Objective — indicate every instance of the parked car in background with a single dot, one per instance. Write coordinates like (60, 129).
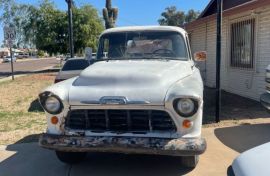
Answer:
(67, 58)
(71, 68)
(8, 59)
(22, 55)
(145, 96)
(26, 55)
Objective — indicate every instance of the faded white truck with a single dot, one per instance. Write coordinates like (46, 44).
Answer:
(144, 96)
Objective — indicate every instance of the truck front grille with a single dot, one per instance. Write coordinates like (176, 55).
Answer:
(120, 120)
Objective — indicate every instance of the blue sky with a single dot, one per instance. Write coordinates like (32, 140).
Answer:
(132, 12)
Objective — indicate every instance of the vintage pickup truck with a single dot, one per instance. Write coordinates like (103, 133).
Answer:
(145, 96)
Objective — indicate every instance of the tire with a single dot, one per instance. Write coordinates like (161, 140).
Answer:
(71, 157)
(190, 161)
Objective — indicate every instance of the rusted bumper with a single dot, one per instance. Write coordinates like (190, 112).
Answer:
(128, 145)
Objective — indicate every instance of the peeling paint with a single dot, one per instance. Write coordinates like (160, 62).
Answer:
(160, 146)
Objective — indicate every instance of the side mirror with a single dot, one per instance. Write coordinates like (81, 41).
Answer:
(200, 56)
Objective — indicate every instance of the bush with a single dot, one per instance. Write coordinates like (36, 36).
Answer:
(41, 53)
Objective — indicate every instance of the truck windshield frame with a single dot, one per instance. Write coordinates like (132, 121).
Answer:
(143, 45)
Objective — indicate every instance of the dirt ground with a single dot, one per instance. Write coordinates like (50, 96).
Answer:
(235, 110)
(20, 113)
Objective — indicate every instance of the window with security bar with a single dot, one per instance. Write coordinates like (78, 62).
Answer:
(242, 44)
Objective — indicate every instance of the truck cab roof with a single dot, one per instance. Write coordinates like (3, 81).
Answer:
(145, 28)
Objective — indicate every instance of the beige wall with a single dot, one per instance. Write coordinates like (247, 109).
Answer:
(247, 83)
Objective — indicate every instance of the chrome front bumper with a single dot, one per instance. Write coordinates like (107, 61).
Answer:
(128, 145)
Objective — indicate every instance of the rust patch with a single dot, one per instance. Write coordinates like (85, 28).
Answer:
(161, 146)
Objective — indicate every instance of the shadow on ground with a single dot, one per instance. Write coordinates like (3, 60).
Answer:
(245, 137)
(29, 139)
(35, 106)
(233, 107)
(30, 159)
(132, 165)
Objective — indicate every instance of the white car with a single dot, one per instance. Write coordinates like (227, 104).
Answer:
(8, 59)
(71, 68)
(252, 162)
(145, 97)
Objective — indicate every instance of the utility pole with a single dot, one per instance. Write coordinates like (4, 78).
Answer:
(218, 58)
(70, 27)
(12, 67)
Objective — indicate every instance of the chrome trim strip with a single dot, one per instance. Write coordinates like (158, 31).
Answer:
(150, 107)
(90, 102)
(115, 100)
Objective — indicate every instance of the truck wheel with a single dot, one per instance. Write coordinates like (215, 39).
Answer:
(190, 161)
(70, 157)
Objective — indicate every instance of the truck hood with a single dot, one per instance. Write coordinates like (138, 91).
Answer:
(141, 81)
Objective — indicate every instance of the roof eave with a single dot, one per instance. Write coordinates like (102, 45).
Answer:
(205, 10)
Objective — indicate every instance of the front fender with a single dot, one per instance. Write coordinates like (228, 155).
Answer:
(189, 87)
(61, 90)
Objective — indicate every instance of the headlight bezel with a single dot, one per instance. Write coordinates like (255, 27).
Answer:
(184, 115)
(44, 97)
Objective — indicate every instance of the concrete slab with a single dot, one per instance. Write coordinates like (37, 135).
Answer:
(224, 144)
(29, 159)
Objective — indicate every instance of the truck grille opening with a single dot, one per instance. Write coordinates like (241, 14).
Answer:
(120, 120)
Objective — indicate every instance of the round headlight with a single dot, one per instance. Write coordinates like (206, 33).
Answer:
(186, 107)
(52, 105)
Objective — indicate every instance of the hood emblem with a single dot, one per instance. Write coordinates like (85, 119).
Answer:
(113, 100)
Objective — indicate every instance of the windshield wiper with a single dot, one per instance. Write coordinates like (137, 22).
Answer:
(163, 58)
(108, 59)
(137, 58)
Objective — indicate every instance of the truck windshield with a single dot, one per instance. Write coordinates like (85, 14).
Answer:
(142, 45)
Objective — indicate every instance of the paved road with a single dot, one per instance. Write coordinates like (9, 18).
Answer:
(224, 144)
(26, 66)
